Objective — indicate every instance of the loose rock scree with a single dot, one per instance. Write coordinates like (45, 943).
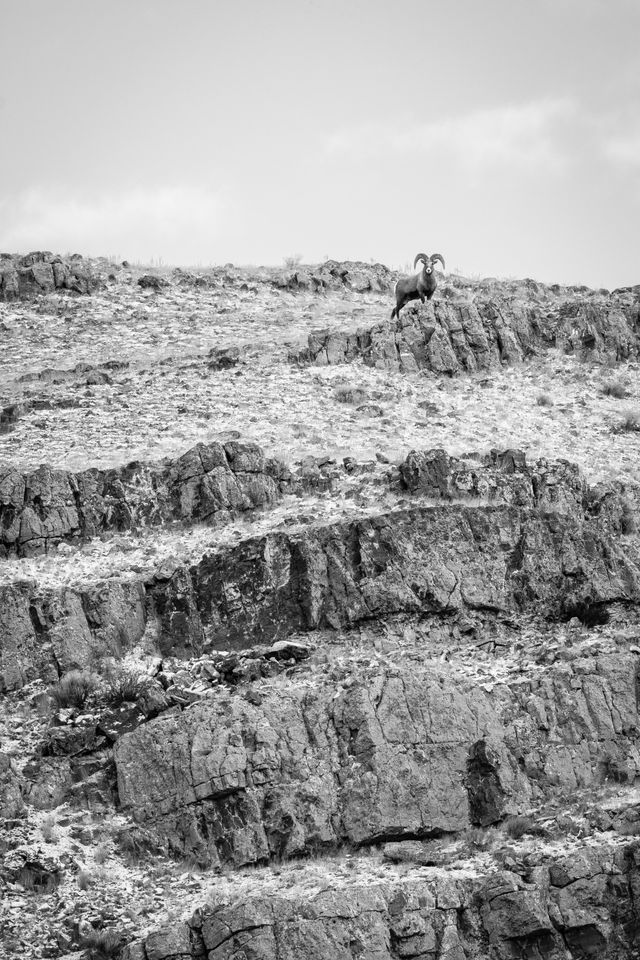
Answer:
(422, 285)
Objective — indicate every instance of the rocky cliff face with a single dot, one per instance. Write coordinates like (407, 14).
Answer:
(578, 905)
(485, 332)
(503, 537)
(387, 757)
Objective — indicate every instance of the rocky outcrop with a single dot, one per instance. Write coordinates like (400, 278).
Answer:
(351, 275)
(481, 333)
(571, 907)
(288, 771)
(546, 542)
(498, 477)
(27, 276)
(210, 482)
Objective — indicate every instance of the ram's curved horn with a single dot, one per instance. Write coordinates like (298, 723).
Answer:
(437, 256)
(420, 256)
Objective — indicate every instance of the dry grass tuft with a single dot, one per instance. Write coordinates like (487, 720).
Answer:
(47, 828)
(124, 684)
(347, 394)
(615, 388)
(101, 853)
(84, 879)
(630, 422)
(103, 943)
(74, 688)
(517, 827)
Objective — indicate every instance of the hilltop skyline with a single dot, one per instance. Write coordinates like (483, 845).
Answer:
(504, 136)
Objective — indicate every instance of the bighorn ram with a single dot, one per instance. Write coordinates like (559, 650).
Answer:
(421, 285)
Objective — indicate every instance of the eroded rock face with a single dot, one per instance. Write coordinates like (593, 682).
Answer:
(393, 757)
(547, 543)
(22, 277)
(43, 508)
(497, 477)
(439, 917)
(425, 560)
(483, 334)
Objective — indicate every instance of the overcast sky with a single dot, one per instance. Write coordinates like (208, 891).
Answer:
(503, 134)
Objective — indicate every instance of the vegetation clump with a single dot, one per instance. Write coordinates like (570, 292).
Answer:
(517, 827)
(74, 689)
(103, 943)
(615, 388)
(124, 684)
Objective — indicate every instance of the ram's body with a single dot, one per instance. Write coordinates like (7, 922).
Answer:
(421, 286)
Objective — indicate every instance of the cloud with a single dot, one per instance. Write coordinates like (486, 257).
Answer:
(524, 135)
(141, 222)
(623, 149)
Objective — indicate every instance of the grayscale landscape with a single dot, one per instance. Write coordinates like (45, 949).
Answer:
(317, 641)
(319, 480)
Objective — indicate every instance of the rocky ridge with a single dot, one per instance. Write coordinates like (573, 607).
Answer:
(465, 334)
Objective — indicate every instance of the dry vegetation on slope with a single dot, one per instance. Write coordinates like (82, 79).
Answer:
(342, 700)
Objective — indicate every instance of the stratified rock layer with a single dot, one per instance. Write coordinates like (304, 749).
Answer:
(484, 333)
(545, 542)
(569, 907)
(392, 756)
(41, 509)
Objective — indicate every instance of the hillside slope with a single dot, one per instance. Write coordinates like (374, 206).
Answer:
(319, 632)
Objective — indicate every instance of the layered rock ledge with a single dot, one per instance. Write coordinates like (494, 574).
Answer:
(484, 333)
(557, 907)
(503, 537)
(292, 770)
(46, 507)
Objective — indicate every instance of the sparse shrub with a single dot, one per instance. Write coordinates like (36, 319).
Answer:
(101, 853)
(103, 943)
(124, 684)
(84, 879)
(630, 422)
(74, 688)
(517, 827)
(615, 388)
(136, 844)
(480, 838)
(544, 400)
(348, 394)
(292, 262)
(47, 828)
